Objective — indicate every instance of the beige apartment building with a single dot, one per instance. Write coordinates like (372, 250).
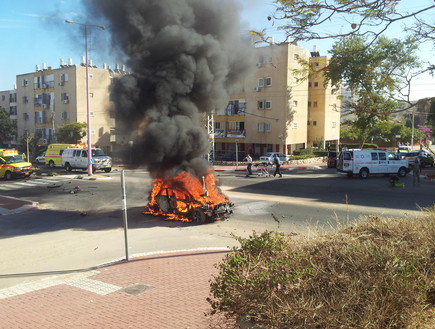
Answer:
(278, 111)
(324, 106)
(53, 97)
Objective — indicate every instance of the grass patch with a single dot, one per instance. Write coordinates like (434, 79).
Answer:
(378, 273)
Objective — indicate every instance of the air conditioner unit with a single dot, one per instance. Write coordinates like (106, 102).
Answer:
(61, 83)
(66, 101)
(45, 86)
(257, 89)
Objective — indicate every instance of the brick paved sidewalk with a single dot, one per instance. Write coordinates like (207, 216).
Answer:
(163, 291)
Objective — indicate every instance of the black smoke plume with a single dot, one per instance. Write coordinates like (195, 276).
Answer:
(184, 55)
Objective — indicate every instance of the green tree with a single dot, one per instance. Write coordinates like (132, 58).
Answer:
(71, 133)
(7, 127)
(373, 73)
(309, 19)
(34, 147)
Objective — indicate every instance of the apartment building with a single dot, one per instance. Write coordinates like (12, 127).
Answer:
(324, 107)
(277, 110)
(53, 97)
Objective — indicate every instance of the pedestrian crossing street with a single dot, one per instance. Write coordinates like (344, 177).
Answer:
(33, 182)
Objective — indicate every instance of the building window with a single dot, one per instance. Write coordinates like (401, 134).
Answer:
(308, 122)
(25, 116)
(261, 83)
(268, 82)
(3, 97)
(263, 127)
(295, 57)
(264, 105)
(294, 125)
(25, 99)
(334, 125)
(309, 103)
(309, 84)
(65, 98)
(217, 125)
(295, 103)
(316, 84)
(25, 82)
(314, 123)
(315, 104)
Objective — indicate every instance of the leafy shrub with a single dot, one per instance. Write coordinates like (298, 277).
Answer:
(375, 274)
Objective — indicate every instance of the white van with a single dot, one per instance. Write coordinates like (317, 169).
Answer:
(368, 162)
(77, 158)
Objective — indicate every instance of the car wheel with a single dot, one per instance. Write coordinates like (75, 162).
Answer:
(402, 172)
(364, 173)
(108, 170)
(8, 175)
(51, 164)
(197, 216)
(68, 167)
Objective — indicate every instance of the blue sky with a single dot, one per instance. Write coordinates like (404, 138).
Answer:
(34, 32)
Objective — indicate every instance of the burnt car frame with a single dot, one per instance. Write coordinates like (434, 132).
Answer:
(195, 211)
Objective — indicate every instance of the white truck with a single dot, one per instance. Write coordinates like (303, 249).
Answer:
(77, 158)
(369, 162)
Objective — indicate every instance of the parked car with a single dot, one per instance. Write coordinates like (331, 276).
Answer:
(268, 157)
(332, 159)
(40, 159)
(426, 159)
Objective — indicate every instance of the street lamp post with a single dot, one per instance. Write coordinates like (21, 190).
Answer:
(88, 103)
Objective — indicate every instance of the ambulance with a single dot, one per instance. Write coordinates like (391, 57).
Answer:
(53, 154)
(13, 164)
(370, 162)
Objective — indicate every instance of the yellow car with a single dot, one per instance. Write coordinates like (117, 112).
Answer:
(13, 164)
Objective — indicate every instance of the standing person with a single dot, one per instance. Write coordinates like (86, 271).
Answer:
(277, 163)
(249, 167)
(416, 170)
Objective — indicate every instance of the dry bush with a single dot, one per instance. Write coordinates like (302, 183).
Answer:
(378, 273)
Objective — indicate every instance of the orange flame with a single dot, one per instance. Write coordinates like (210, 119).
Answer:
(182, 193)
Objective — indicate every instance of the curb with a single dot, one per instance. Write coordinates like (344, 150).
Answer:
(25, 205)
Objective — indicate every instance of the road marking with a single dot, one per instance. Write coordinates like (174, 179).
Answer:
(97, 287)
(79, 280)
(30, 183)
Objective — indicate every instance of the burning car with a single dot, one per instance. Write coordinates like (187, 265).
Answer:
(184, 197)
